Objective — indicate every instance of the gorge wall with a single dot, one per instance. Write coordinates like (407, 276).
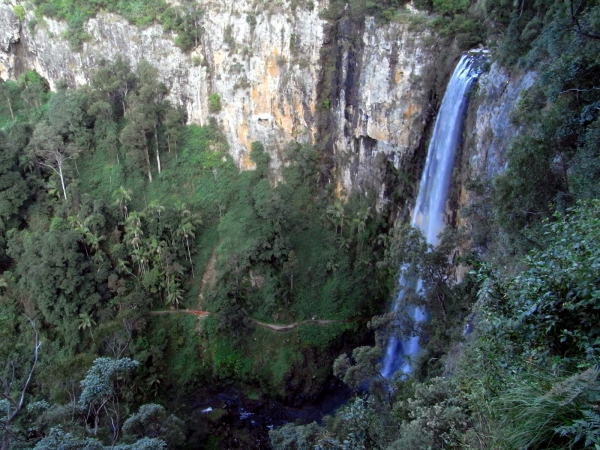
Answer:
(488, 133)
(269, 73)
(364, 92)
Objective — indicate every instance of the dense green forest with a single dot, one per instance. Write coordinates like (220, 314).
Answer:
(112, 208)
(117, 219)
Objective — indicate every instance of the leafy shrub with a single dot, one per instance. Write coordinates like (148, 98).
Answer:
(450, 7)
(251, 19)
(151, 421)
(214, 103)
(295, 437)
(551, 307)
(182, 19)
(19, 12)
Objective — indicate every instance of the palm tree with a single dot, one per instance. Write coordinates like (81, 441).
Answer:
(76, 223)
(360, 225)
(140, 256)
(332, 266)
(335, 213)
(153, 212)
(173, 273)
(133, 230)
(384, 240)
(93, 240)
(121, 267)
(174, 295)
(155, 207)
(186, 229)
(98, 258)
(85, 321)
(122, 196)
(344, 243)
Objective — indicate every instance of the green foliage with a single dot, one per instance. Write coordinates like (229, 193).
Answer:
(527, 378)
(151, 421)
(322, 336)
(13, 186)
(228, 363)
(214, 103)
(453, 20)
(251, 19)
(554, 412)
(362, 367)
(294, 437)
(466, 31)
(424, 5)
(99, 384)
(97, 262)
(261, 158)
(450, 7)
(58, 275)
(76, 34)
(537, 336)
(553, 302)
(383, 10)
(19, 12)
(57, 438)
(557, 115)
(434, 415)
(587, 429)
(356, 426)
(183, 19)
(22, 101)
(57, 426)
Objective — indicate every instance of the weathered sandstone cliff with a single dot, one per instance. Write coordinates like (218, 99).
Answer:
(268, 63)
(364, 92)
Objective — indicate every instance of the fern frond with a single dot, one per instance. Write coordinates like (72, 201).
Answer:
(568, 390)
(550, 413)
(588, 428)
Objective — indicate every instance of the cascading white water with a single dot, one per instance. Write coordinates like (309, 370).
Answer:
(428, 215)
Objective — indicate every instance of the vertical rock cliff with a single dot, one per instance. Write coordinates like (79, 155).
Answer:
(269, 64)
(499, 93)
(262, 61)
(362, 91)
(380, 99)
(488, 133)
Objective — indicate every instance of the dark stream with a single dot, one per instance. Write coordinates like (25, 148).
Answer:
(228, 418)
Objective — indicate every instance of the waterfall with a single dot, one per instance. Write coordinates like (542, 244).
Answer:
(428, 215)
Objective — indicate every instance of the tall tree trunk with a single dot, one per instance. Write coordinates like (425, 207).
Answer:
(62, 180)
(16, 405)
(125, 91)
(190, 256)
(157, 152)
(148, 167)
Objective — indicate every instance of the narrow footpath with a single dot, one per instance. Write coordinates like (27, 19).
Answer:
(271, 326)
